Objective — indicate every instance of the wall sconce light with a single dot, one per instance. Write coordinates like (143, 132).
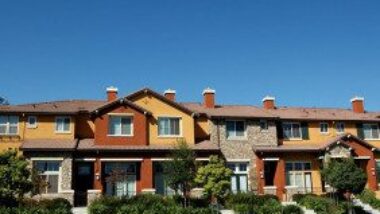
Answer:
(97, 176)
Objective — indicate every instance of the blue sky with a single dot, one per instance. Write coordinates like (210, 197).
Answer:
(305, 53)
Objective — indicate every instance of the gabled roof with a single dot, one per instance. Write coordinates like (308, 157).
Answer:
(242, 111)
(342, 139)
(143, 91)
(119, 102)
(53, 107)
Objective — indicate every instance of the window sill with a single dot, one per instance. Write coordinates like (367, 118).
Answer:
(119, 135)
(324, 133)
(237, 139)
(63, 133)
(9, 135)
(293, 139)
(170, 136)
(372, 139)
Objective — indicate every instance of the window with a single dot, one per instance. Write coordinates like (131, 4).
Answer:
(371, 131)
(263, 125)
(125, 184)
(235, 129)
(324, 128)
(32, 122)
(49, 173)
(378, 170)
(239, 178)
(298, 174)
(8, 125)
(292, 130)
(340, 127)
(120, 126)
(169, 126)
(62, 124)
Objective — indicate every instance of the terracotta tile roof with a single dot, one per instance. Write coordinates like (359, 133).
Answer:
(54, 107)
(301, 113)
(246, 111)
(88, 144)
(49, 144)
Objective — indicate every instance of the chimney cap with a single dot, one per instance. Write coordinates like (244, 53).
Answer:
(208, 90)
(111, 89)
(169, 91)
(357, 98)
(267, 98)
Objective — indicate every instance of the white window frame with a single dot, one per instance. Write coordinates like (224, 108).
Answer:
(237, 137)
(236, 171)
(30, 126)
(378, 131)
(291, 124)
(7, 126)
(302, 171)
(169, 117)
(320, 128)
(47, 173)
(337, 129)
(56, 125)
(120, 116)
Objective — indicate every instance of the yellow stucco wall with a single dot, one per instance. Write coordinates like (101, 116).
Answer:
(202, 128)
(315, 137)
(159, 108)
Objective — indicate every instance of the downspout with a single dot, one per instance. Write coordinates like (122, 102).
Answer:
(218, 131)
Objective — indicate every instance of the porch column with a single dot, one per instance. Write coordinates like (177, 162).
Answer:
(260, 175)
(146, 175)
(279, 178)
(371, 173)
(98, 175)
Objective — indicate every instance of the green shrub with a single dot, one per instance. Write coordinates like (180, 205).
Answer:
(270, 205)
(292, 209)
(106, 205)
(369, 197)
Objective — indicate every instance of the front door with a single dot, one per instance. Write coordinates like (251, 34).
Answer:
(84, 181)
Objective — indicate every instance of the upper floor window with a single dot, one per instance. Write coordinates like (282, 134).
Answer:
(62, 124)
(263, 124)
(324, 128)
(169, 126)
(8, 125)
(371, 131)
(340, 127)
(235, 129)
(32, 122)
(120, 126)
(292, 130)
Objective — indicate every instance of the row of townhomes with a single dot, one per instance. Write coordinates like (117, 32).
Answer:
(76, 144)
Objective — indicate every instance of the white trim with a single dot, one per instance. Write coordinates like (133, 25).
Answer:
(208, 90)
(66, 191)
(356, 98)
(245, 137)
(362, 158)
(47, 159)
(169, 91)
(267, 98)
(202, 159)
(161, 159)
(111, 89)
(270, 187)
(121, 159)
(64, 131)
(238, 160)
(85, 159)
(271, 159)
(94, 191)
(29, 126)
(169, 117)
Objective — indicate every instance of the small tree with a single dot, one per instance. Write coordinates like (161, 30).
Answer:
(15, 175)
(180, 171)
(345, 176)
(215, 178)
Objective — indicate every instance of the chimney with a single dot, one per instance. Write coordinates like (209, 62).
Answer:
(357, 104)
(170, 94)
(268, 102)
(209, 98)
(111, 93)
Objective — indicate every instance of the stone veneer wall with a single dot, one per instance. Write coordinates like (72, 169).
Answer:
(66, 174)
(243, 149)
